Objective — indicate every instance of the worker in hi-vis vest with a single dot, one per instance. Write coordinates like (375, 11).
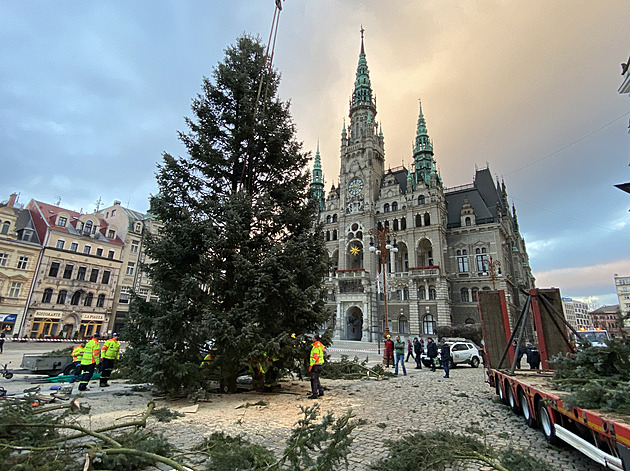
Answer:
(91, 357)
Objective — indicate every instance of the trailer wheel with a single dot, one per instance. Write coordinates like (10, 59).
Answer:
(8, 375)
(546, 424)
(512, 401)
(69, 369)
(527, 413)
(500, 392)
(474, 362)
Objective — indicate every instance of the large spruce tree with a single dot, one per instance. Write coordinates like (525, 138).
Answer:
(238, 263)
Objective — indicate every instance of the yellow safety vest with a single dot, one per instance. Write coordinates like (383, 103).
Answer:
(317, 353)
(111, 350)
(77, 353)
(91, 353)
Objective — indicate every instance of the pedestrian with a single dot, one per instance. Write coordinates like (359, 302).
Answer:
(2, 337)
(417, 348)
(409, 350)
(432, 352)
(533, 356)
(77, 355)
(399, 347)
(110, 353)
(91, 357)
(315, 367)
(445, 358)
(389, 351)
(518, 352)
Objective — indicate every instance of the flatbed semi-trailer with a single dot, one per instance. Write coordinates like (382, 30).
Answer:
(603, 437)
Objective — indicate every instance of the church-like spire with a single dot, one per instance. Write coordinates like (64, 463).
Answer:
(423, 150)
(317, 185)
(362, 87)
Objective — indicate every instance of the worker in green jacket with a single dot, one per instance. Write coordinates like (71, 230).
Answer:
(316, 366)
(109, 354)
(91, 357)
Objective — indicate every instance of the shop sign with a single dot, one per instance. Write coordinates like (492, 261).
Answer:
(48, 314)
(92, 317)
(8, 317)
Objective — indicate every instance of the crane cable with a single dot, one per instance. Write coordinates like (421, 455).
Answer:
(266, 71)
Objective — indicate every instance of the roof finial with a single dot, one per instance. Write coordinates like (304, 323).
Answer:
(362, 49)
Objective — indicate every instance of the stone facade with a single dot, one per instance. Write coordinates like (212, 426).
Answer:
(450, 243)
(19, 255)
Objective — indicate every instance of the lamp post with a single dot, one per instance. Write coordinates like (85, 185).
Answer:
(382, 249)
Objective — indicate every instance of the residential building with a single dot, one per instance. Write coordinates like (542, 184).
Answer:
(131, 226)
(19, 254)
(576, 313)
(608, 318)
(77, 274)
(622, 283)
(451, 243)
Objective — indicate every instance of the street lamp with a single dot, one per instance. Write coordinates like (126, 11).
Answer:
(382, 249)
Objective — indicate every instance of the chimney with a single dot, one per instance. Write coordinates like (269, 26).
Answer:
(12, 200)
(117, 203)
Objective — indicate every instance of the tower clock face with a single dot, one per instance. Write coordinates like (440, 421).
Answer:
(355, 186)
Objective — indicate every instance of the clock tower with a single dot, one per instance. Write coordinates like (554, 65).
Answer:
(362, 146)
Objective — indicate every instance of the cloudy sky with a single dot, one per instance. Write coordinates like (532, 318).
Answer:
(92, 93)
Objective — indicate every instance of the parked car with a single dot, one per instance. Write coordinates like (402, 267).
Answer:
(462, 352)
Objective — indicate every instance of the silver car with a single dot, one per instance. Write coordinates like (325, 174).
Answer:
(462, 352)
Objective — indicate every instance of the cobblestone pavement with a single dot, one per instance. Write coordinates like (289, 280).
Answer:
(422, 400)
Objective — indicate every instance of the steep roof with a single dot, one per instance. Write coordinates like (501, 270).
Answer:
(483, 196)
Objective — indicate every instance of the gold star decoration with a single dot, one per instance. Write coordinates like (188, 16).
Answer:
(355, 250)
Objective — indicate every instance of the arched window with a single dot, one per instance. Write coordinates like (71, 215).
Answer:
(46, 298)
(334, 218)
(5, 227)
(396, 224)
(76, 297)
(334, 234)
(418, 220)
(61, 297)
(405, 293)
(422, 293)
(100, 301)
(467, 221)
(88, 227)
(427, 219)
(464, 295)
(403, 224)
(394, 206)
(420, 200)
(432, 293)
(88, 299)
(386, 208)
(403, 325)
(328, 219)
(428, 325)
(327, 236)
(473, 294)
(470, 320)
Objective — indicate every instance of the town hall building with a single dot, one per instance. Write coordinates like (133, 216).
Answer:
(437, 247)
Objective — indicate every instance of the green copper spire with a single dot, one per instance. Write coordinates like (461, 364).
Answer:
(362, 86)
(423, 151)
(317, 185)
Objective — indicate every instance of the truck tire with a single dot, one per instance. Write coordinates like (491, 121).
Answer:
(8, 375)
(512, 401)
(474, 362)
(69, 369)
(527, 413)
(546, 424)
(500, 392)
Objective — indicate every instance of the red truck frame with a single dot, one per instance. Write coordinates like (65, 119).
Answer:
(605, 438)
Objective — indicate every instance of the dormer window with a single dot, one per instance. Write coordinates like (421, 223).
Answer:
(61, 221)
(88, 227)
(5, 227)
(138, 227)
(111, 234)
